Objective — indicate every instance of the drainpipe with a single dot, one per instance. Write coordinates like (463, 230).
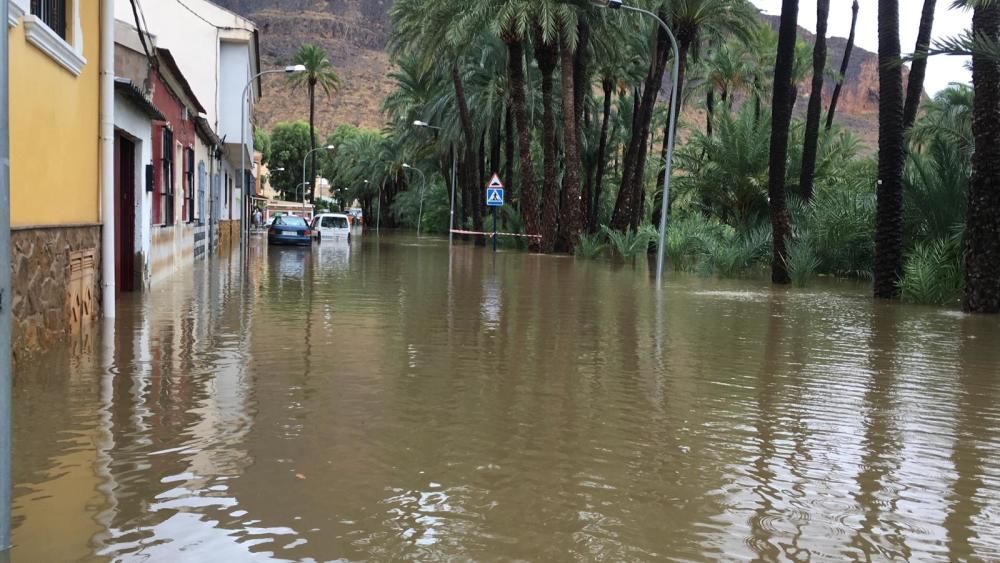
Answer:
(5, 294)
(107, 152)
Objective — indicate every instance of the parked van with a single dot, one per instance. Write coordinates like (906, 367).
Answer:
(330, 226)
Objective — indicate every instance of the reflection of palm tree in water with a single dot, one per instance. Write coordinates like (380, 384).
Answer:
(767, 421)
(978, 359)
(881, 442)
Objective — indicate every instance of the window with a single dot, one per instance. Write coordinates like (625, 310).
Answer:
(52, 13)
(189, 214)
(167, 179)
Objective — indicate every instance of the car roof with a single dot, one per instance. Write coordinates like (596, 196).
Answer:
(331, 215)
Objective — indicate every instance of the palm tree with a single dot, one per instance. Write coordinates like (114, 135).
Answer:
(781, 120)
(843, 67)
(571, 223)
(690, 19)
(547, 56)
(319, 72)
(815, 102)
(891, 155)
(915, 86)
(982, 230)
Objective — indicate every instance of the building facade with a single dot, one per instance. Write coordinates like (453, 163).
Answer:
(217, 52)
(55, 186)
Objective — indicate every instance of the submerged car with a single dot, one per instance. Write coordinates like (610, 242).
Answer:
(290, 230)
(329, 226)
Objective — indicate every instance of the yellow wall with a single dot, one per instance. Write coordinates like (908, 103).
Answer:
(54, 129)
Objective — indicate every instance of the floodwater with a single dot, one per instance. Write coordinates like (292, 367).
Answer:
(381, 402)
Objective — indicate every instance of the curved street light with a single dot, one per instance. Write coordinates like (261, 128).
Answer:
(423, 184)
(672, 125)
(454, 176)
(243, 132)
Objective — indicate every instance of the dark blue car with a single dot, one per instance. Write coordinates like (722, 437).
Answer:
(291, 230)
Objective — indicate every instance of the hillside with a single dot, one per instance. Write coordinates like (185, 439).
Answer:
(355, 33)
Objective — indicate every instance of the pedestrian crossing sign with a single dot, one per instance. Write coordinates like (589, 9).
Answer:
(494, 197)
(494, 192)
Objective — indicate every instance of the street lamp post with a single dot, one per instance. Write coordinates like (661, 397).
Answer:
(423, 184)
(454, 175)
(304, 183)
(243, 132)
(672, 125)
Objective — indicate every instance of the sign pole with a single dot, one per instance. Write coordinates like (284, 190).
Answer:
(494, 199)
(494, 230)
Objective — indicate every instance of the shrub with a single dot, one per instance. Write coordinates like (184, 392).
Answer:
(801, 260)
(630, 243)
(932, 274)
(590, 245)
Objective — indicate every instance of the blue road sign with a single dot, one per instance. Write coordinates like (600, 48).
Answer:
(494, 197)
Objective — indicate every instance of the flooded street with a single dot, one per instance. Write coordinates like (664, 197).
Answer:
(380, 401)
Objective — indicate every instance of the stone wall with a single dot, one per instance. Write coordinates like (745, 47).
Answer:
(55, 274)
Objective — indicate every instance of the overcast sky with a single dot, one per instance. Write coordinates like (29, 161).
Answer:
(941, 70)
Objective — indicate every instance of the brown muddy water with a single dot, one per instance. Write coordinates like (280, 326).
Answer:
(381, 402)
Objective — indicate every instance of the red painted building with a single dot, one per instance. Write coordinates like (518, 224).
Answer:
(173, 143)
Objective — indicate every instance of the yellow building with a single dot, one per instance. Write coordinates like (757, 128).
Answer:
(55, 168)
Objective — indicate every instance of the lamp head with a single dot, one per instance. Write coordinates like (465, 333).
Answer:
(295, 68)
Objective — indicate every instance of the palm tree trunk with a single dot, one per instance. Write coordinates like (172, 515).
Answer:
(891, 155)
(635, 152)
(312, 141)
(915, 85)
(608, 85)
(515, 71)
(843, 67)
(808, 173)
(571, 220)
(982, 230)
(781, 120)
(472, 169)
(709, 110)
(547, 56)
(508, 149)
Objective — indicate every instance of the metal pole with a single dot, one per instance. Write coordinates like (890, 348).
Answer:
(672, 121)
(454, 188)
(494, 230)
(378, 218)
(423, 184)
(6, 417)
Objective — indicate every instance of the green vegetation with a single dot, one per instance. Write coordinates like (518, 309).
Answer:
(562, 100)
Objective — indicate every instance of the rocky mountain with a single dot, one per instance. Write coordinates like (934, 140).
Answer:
(355, 33)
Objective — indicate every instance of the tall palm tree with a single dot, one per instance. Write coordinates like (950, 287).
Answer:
(843, 67)
(915, 85)
(319, 73)
(982, 230)
(815, 102)
(571, 220)
(891, 155)
(781, 120)
(546, 47)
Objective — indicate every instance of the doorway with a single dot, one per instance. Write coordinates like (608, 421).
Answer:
(124, 214)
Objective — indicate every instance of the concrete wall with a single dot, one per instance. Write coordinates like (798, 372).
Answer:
(234, 72)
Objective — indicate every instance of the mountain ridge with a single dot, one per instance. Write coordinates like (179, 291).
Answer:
(355, 33)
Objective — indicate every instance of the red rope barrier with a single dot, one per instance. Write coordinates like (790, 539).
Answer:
(477, 233)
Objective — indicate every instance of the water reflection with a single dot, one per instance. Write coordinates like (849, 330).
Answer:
(388, 399)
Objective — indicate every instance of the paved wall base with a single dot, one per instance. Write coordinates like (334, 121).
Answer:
(56, 286)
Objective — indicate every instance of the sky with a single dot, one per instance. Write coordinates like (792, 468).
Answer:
(941, 70)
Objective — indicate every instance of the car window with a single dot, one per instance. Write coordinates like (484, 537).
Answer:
(290, 221)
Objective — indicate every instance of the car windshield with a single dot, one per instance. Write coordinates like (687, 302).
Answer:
(335, 222)
(290, 221)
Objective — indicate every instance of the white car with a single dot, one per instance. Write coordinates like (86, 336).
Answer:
(331, 226)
